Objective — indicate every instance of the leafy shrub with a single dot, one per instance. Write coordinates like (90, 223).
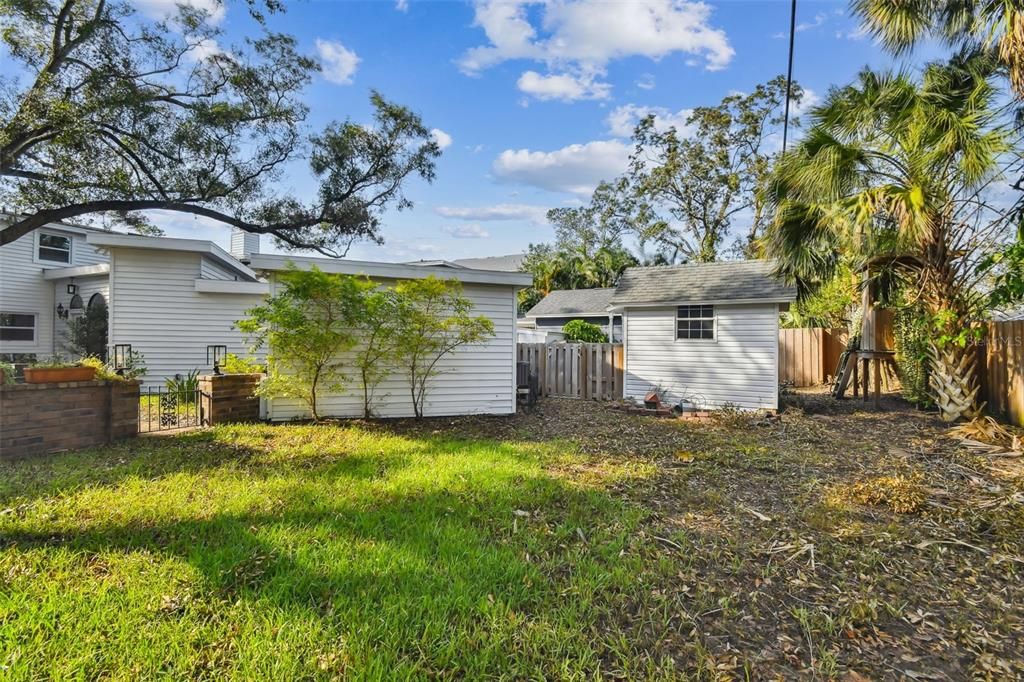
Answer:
(87, 335)
(104, 372)
(55, 362)
(184, 387)
(7, 373)
(911, 332)
(232, 364)
(584, 332)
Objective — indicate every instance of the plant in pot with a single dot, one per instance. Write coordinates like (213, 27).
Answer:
(56, 370)
(7, 373)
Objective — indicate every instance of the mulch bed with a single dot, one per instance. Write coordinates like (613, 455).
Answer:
(835, 541)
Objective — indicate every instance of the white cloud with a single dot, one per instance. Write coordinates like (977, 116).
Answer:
(562, 86)
(819, 19)
(582, 36)
(168, 9)
(622, 120)
(471, 231)
(807, 102)
(339, 62)
(402, 5)
(443, 139)
(646, 82)
(577, 168)
(529, 212)
(204, 49)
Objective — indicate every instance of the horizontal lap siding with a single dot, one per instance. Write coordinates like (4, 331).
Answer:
(740, 366)
(23, 289)
(156, 309)
(211, 270)
(477, 379)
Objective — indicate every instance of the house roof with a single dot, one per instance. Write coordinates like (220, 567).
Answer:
(721, 282)
(569, 302)
(512, 262)
(392, 270)
(207, 248)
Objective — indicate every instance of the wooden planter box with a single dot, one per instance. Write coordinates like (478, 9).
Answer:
(56, 375)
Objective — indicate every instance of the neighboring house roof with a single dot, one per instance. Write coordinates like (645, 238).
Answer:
(202, 246)
(1008, 315)
(510, 263)
(725, 281)
(572, 302)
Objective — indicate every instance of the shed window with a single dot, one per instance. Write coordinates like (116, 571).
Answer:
(695, 322)
(17, 327)
(54, 247)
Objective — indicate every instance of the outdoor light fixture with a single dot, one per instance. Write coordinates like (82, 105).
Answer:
(122, 357)
(72, 289)
(62, 312)
(215, 355)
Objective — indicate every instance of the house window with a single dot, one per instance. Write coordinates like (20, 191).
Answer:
(54, 247)
(695, 322)
(17, 327)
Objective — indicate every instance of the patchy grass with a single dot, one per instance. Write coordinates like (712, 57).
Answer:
(574, 543)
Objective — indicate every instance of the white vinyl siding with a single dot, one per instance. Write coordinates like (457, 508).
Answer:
(155, 308)
(739, 366)
(476, 379)
(87, 288)
(23, 289)
(210, 269)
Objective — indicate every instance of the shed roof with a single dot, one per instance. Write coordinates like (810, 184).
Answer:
(568, 302)
(723, 281)
(512, 262)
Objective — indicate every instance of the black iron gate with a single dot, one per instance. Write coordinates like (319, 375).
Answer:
(166, 409)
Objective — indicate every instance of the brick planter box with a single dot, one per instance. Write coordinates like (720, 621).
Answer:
(56, 375)
(231, 397)
(44, 418)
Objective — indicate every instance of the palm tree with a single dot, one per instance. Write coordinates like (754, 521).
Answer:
(991, 24)
(890, 174)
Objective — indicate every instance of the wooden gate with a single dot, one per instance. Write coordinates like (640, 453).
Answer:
(808, 357)
(1002, 371)
(592, 371)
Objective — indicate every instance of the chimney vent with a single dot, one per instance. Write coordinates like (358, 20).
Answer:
(244, 244)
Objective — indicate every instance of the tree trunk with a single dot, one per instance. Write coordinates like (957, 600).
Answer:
(954, 381)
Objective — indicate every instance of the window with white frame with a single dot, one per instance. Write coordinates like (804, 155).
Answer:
(17, 327)
(695, 322)
(54, 247)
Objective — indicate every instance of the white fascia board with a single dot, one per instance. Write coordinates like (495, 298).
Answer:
(227, 286)
(615, 307)
(391, 270)
(77, 271)
(200, 246)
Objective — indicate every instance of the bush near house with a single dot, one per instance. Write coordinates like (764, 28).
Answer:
(583, 332)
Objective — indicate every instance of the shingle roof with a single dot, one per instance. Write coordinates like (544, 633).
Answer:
(573, 302)
(698, 282)
(510, 263)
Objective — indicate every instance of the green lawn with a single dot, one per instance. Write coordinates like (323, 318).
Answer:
(575, 542)
(310, 552)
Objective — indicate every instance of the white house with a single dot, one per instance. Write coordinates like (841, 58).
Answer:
(173, 299)
(707, 332)
(47, 278)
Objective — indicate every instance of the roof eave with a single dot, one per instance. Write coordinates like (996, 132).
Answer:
(393, 270)
(200, 246)
(623, 305)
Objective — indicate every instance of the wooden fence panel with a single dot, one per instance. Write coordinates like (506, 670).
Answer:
(809, 356)
(592, 371)
(1003, 374)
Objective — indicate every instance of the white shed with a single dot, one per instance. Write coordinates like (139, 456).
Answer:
(707, 332)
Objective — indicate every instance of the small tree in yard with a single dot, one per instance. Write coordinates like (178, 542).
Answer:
(306, 328)
(584, 332)
(379, 328)
(435, 320)
(87, 334)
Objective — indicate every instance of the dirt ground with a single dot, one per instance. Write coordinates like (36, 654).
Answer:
(834, 541)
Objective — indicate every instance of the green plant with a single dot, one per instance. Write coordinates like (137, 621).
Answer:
(911, 334)
(380, 321)
(183, 387)
(55, 362)
(307, 327)
(7, 373)
(584, 332)
(136, 367)
(104, 372)
(87, 334)
(232, 364)
(436, 320)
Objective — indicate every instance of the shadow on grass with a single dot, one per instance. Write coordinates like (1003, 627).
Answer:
(422, 567)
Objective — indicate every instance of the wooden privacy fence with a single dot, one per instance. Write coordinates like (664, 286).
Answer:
(592, 371)
(808, 357)
(1002, 371)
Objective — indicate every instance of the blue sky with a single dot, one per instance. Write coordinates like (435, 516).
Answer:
(535, 100)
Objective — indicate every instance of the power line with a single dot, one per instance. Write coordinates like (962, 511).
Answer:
(789, 74)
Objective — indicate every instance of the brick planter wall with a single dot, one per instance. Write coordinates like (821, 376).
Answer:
(43, 418)
(231, 397)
